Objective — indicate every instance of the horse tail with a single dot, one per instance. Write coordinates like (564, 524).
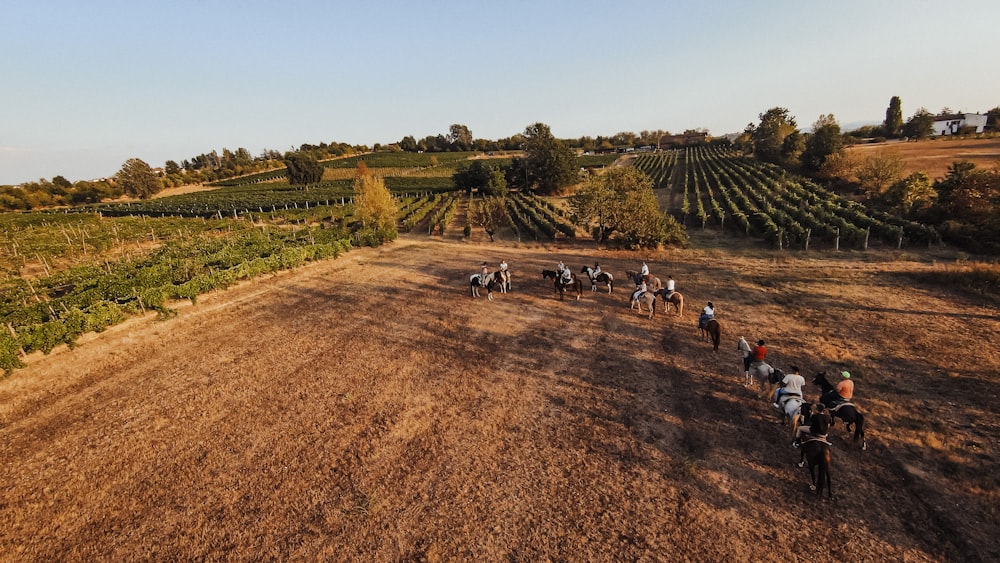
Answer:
(716, 335)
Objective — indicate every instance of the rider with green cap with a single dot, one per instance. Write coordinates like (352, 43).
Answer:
(846, 387)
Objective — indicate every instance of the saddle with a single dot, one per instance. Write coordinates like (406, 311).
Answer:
(837, 406)
(819, 438)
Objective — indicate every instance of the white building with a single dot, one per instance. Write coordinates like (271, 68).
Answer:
(953, 124)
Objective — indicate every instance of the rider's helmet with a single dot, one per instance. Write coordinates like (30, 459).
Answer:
(845, 374)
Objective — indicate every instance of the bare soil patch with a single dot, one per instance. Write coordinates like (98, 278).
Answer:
(368, 408)
(935, 156)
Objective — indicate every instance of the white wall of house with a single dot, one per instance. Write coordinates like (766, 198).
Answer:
(954, 123)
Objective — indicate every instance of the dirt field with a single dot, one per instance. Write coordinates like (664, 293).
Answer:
(368, 409)
(935, 156)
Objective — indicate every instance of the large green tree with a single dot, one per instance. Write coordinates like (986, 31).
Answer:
(460, 137)
(486, 179)
(621, 200)
(303, 169)
(137, 179)
(893, 123)
(824, 141)
(777, 139)
(920, 125)
(551, 164)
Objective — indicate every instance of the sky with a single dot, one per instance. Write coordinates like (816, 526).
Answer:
(85, 86)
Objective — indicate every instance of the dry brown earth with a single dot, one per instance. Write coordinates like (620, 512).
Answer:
(936, 155)
(368, 409)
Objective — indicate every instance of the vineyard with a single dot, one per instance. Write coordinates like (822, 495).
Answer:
(719, 187)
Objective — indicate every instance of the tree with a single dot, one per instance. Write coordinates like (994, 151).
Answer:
(777, 139)
(490, 213)
(375, 208)
(488, 180)
(914, 191)
(622, 201)
(879, 170)
(408, 144)
(920, 126)
(893, 124)
(824, 141)
(303, 169)
(551, 164)
(991, 117)
(459, 137)
(137, 179)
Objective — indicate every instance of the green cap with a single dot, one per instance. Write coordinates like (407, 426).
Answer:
(845, 374)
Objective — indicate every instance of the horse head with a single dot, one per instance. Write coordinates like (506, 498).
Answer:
(822, 381)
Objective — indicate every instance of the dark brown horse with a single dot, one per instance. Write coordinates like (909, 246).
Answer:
(714, 330)
(652, 282)
(816, 452)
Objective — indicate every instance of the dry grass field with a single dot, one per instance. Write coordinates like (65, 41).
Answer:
(369, 409)
(934, 156)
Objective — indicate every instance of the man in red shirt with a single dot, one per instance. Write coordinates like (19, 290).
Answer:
(759, 352)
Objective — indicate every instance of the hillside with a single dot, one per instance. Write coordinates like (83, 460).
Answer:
(934, 156)
(367, 408)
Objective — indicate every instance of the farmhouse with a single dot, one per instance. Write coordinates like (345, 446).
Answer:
(955, 123)
(683, 140)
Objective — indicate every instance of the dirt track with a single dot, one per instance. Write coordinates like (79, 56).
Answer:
(318, 415)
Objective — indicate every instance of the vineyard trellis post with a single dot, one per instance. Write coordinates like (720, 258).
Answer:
(836, 240)
(868, 232)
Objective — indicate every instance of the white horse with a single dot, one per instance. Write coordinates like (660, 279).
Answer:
(766, 375)
(791, 409)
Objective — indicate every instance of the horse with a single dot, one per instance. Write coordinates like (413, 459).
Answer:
(476, 281)
(603, 277)
(791, 410)
(501, 278)
(675, 299)
(766, 375)
(842, 409)
(713, 330)
(816, 451)
(652, 282)
(648, 300)
(576, 284)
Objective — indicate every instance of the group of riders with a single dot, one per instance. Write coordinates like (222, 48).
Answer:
(819, 418)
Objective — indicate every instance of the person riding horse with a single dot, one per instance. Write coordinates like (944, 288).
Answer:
(790, 387)
(644, 272)
(669, 290)
(566, 277)
(707, 314)
(596, 271)
(819, 426)
(640, 290)
(842, 393)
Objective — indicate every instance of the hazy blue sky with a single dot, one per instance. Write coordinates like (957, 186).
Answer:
(85, 85)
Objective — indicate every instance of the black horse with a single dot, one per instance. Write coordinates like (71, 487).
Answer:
(816, 452)
(842, 409)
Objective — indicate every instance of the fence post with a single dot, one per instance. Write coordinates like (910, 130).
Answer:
(808, 234)
(868, 232)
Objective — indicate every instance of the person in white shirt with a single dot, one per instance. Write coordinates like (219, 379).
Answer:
(670, 286)
(644, 272)
(790, 386)
(707, 314)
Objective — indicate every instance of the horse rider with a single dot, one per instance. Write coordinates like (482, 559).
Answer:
(597, 270)
(503, 266)
(844, 389)
(640, 289)
(744, 347)
(819, 426)
(670, 287)
(759, 353)
(644, 272)
(707, 314)
(483, 273)
(789, 387)
(566, 277)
